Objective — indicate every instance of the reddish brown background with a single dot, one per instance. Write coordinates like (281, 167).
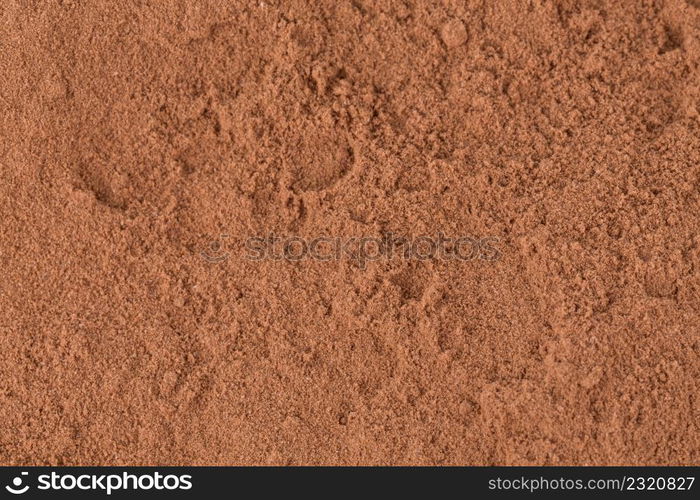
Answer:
(135, 133)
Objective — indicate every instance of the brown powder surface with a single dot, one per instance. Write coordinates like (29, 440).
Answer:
(142, 143)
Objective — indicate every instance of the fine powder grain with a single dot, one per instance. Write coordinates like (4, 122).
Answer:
(166, 169)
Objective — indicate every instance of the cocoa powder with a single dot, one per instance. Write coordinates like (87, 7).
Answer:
(145, 143)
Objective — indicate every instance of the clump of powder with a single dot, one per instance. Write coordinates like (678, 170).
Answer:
(453, 33)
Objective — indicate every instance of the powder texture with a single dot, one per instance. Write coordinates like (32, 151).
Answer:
(142, 143)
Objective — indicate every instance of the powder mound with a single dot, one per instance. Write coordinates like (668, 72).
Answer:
(660, 285)
(453, 33)
(320, 160)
